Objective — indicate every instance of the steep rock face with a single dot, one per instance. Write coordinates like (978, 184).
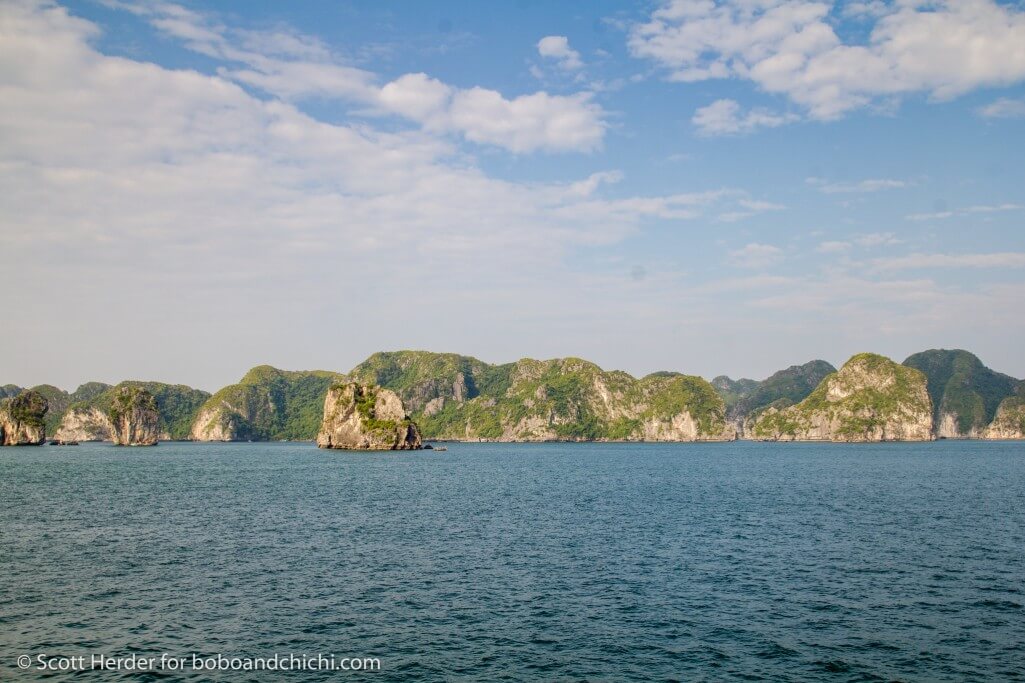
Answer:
(733, 390)
(57, 401)
(426, 379)
(22, 419)
(134, 420)
(780, 390)
(177, 405)
(871, 398)
(566, 399)
(1009, 422)
(361, 417)
(965, 393)
(266, 404)
(221, 422)
(84, 424)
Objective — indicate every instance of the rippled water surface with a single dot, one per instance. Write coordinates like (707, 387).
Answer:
(524, 562)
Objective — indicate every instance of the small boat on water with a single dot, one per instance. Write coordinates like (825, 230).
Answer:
(58, 442)
(429, 447)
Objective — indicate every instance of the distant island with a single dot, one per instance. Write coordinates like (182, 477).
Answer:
(933, 394)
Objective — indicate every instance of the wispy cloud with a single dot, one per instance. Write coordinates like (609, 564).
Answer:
(755, 255)
(726, 117)
(920, 261)
(866, 241)
(967, 211)
(295, 67)
(860, 186)
(833, 247)
(751, 207)
(877, 239)
(1003, 108)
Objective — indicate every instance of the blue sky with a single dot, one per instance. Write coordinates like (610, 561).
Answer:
(191, 188)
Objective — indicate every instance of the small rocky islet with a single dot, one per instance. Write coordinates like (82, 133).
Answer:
(367, 418)
(396, 400)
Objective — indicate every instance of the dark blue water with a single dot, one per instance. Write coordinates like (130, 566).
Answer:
(523, 562)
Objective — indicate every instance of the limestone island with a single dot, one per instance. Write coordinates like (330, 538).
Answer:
(870, 398)
(933, 394)
(366, 418)
(21, 419)
(134, 420)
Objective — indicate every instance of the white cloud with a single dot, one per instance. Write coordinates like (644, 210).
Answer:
(865, 241)
(296, 67)
(756, 255)
(935, 215)
(587, 187)
(557, 48)
(944, 48)
(125, 163)
(868, 185)
(1003, 108)
(528, 122)
(994, 208)
(918, 261)
(760, 205)
(751, 207)
(877, 239)
(523, 124)
(724, 117)
(833, 247)
(943, 215)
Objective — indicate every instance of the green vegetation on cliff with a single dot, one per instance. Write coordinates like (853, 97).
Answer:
(176, 404)
(870, 398)
(267, 404)
(962, 387)
(460, 397)
(21, 419)
(126, 397)
(1009, 422)
(9, 391)
(365, 398)
(733, 390)
(28, 408)
(420, 376)
(746, 398)
(60, 400)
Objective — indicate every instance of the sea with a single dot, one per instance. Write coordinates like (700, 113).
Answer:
(514, 562)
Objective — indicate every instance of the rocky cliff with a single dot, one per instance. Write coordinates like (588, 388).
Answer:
(267, 404)
(87, 420)
(22, 419)
(568, 399)
(84, 423)
(732, 390)
(745, 399)
(965, 393)
(362, 417)
(134, 420)
(60, 400)
(870, 398)
(426, 379)
(1009, 422)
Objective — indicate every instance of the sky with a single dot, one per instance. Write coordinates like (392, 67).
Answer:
(191, 189)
